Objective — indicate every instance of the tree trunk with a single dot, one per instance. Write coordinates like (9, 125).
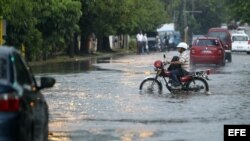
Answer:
(75, 44)
(71, 51)
(71, 47)
(84, 43)
(103, 44)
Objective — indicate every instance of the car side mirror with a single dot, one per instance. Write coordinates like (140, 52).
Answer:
(47, 82)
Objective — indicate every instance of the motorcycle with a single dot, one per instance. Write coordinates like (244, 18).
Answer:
(192, 82)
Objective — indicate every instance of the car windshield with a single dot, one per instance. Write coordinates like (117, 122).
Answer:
(3, 68)
(240, 38)
(221, 35)
(201, 42)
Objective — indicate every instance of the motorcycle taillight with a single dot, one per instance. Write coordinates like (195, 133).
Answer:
(208, 71)
(9, 102)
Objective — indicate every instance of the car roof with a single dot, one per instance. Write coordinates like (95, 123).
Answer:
(7, 50)
(239, 34)
(207, 38)
(218, 29)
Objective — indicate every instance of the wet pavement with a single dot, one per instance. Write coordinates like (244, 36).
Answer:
(99, 100)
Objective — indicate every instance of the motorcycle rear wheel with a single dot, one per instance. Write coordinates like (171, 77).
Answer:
(198, 85)
(151, 86)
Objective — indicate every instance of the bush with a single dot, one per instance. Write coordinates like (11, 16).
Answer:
(132, 45)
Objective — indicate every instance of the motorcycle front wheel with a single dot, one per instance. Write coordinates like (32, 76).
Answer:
(198, 85)
(151, 86)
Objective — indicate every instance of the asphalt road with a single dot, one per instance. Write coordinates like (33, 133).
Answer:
(101, 101)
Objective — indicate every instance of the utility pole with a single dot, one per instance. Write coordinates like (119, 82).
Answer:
(192, 7)
(185, 21)
(185, 12)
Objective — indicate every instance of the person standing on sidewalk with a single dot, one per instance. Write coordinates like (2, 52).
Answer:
(158, 42)
(167, 41)
(139, 40)
(145, 43)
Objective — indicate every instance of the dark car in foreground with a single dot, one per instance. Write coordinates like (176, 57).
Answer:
(207, 50)
(23, 109)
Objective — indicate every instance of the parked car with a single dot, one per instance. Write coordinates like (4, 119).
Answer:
(152, 44)
(240, 42)
(207, 50)
(225, 36)
(23, 108)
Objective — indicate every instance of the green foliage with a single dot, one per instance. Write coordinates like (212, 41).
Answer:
(201, 15)
(58, 21)
(21, 25)
(43, 26)
(240, 10)
(122, 16)
(212, 11)
(4, 7)
(106, 17)
(133, 45)
(48, 26)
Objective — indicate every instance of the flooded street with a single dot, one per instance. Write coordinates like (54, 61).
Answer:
(99, 100)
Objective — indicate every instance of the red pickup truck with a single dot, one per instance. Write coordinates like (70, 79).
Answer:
(225, 36)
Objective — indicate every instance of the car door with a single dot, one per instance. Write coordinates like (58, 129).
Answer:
(36, 100)
(23, 79)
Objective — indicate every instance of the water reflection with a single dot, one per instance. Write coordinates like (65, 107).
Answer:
(140, 134)
(104, 105)
(75, 66)
(96, 134)
(65, 67)
(104, 60)
(58, 136)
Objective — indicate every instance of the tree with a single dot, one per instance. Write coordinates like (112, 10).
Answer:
(119, 17)
(4, 7)
(21, 27)
(58, 21)
(240, 10)
(200, 16)
(44, 27)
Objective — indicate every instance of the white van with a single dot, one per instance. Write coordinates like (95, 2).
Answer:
(240, 42)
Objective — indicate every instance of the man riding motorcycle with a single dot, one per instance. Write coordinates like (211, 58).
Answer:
(179, 66)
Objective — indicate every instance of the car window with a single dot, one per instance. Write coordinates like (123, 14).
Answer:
(23, 76)
(240, 38)
(200, 42)
(221, 35)
(3, 68)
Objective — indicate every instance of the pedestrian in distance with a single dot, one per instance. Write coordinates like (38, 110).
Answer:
(145, 43)
(158, 42)
(139, 40)
(167, 42)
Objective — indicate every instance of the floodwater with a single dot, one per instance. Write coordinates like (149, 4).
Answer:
(99, 100)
